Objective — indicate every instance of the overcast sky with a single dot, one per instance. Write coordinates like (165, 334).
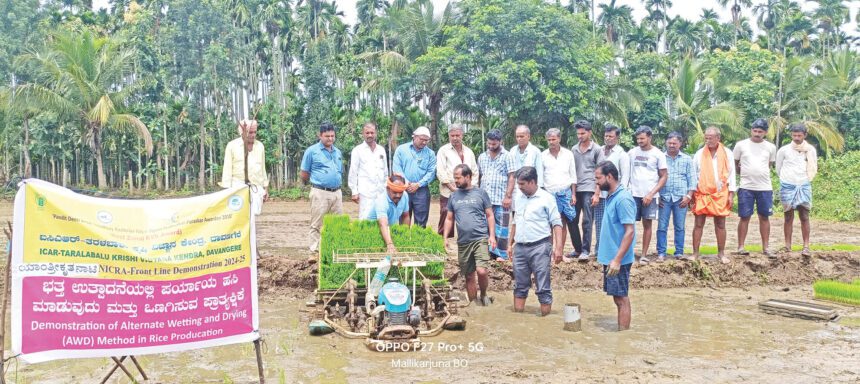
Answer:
(688, 9)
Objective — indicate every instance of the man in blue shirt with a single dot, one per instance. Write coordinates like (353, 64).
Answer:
(417, 163)
(675, 196)
(536, 236)
(391, 208)
(322, 167)
(616, 238)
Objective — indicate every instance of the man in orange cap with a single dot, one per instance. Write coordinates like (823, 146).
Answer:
(391, 208)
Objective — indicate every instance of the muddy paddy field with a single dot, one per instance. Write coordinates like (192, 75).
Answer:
(691, 323)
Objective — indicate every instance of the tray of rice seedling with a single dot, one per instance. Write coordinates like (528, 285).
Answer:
(349, 244)
(837, 291)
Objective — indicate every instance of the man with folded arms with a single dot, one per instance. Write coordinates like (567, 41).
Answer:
(796, 165)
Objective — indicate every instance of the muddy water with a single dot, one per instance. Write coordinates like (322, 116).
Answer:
(679, 335)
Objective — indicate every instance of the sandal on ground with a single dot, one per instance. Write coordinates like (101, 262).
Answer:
(661, 258)
(806, 252)
(769, 254)
(644, 260)
(784, 249)
(742, 252)
(725, 260)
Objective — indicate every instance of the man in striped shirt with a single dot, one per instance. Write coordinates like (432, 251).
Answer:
(675, 196)
(493, 178)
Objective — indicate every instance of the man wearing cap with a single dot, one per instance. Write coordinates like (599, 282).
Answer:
(753, 158)
(447, 158)
(322, 167)
(390, 208)
(417, 163)
(368, 168)
(233, 173)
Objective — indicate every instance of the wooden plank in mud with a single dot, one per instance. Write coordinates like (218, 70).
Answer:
(799, 309)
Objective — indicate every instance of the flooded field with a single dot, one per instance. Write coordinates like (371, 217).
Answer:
(691, 323)
(678, 335)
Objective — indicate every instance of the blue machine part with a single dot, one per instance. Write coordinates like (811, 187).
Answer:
(396, 297)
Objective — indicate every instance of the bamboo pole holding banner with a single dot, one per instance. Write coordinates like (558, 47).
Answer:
(244, 124)
(7, 277)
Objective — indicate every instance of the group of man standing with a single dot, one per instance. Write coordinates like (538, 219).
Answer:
(521, 204)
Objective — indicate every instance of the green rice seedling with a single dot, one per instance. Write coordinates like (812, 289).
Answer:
(341, 233)
(712, 250)
(837, 291)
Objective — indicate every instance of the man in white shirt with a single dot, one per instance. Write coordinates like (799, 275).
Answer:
(796, 165)
(753, 159)
(368, 168)
(648, 175)
(524, 154)
(234, 171)
(448, 157)
(614, 153)
(559, 173)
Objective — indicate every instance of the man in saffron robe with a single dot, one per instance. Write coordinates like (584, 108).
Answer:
(715, 192)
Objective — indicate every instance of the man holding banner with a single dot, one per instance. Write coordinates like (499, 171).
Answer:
(237, 171)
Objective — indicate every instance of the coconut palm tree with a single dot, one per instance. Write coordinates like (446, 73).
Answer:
(617, 102)
(615, 20)
(806, 99)
(413, 29)
(693, 105)
(85, 79)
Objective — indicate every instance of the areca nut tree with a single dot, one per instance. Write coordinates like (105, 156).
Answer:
(84, 79)
(736, 12)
